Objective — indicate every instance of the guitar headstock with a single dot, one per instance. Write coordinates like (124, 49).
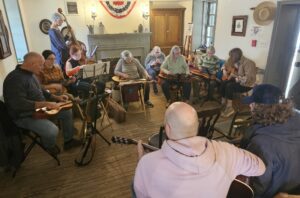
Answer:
(122, 140)
(59, 10)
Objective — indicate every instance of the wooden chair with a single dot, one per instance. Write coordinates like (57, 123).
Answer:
(207, 121)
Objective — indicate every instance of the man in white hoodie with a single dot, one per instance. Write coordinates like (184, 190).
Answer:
(188, 165)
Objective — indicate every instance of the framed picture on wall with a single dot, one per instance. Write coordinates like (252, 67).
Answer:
(239, 25)
(71, 7)
(4, 40)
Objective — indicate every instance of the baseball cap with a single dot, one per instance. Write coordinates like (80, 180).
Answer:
(264, 94)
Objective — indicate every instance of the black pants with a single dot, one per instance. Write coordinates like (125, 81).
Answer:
(84, 86)
(229, 87)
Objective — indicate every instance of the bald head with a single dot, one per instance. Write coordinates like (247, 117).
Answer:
(33, 62)
(181, 121)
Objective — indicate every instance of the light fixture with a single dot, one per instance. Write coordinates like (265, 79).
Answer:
(93, 12)
(145, 11)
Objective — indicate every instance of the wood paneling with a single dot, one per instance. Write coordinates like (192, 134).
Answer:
(166, 26)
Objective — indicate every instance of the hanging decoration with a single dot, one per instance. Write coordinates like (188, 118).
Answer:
(118, 9)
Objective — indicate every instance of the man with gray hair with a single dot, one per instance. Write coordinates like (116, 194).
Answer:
(129, 67)
(188, 165)
(23, 95)
(58, 45)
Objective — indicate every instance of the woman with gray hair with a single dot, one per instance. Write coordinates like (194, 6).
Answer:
(129, 67)
(58, 45)
(175, 64)
(153, 61)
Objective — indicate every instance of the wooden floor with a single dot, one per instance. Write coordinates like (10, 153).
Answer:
(110, 174)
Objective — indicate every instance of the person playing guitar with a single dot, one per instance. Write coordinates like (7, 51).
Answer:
(23, 95)
(188, 165)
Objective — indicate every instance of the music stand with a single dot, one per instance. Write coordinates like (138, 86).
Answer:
(95, 70)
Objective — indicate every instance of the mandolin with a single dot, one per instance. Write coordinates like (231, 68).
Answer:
(122, 140)
(44, 112)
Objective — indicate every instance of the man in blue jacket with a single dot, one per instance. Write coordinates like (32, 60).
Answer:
(275, 138)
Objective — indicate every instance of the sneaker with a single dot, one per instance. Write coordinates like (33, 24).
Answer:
(149, 104)
(72, 143)
(53, 150)
(227, 112)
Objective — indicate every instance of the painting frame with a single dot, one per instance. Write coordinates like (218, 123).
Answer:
(4, 39)
(71, 7)
(239, 25)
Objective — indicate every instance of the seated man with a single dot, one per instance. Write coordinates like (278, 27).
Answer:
(208, 64)
(152, 62)
(23, 94)
(188, 165)
(130, 68)
(175, 64)
(242, 82)
(275, 137)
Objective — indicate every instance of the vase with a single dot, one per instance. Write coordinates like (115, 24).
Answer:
(140, 28)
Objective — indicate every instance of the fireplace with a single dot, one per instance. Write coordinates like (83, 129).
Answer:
(110, 46)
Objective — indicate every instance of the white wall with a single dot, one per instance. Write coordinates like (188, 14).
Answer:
(9, 63)
(224, 41)
(33, 11)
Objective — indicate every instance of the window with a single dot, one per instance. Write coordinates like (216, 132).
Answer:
(209, 22)
(16, 28)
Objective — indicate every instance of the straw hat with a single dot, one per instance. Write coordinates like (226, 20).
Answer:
(264, 13)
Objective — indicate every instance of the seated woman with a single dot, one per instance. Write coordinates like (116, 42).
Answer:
(73, 69)
(130, 68)
(153, 61)
(51, 77)
(175, 64)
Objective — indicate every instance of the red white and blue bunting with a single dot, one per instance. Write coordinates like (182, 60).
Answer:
(118, 9)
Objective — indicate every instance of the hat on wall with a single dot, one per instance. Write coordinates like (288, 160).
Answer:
(264, 13)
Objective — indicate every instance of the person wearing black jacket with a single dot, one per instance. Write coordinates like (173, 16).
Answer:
(275, 138)
(23, 94)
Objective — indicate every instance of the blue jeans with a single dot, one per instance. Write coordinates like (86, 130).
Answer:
(186, 86)
(47, 130)
(153, 73)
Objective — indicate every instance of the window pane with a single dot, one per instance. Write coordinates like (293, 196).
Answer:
(16, 27)
(211, 20)
(208, 41)
(210, 31)
(213, 8)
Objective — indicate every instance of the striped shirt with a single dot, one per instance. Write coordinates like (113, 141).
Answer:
(209, 63)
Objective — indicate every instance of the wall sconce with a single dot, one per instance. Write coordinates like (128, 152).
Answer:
(146, 15)
(145, 11)
(93, 13)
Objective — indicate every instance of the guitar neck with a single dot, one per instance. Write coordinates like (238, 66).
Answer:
(147, 146)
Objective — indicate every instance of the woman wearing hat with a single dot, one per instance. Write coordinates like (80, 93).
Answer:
(275, 138)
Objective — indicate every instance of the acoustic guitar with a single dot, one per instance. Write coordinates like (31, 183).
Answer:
(237, 188)
(44, 112)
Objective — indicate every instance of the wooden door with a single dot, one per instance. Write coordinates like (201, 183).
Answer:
(166, 26)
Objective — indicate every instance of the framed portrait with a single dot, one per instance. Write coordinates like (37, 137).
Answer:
(239, 25)
(71, 7)
(4, 39)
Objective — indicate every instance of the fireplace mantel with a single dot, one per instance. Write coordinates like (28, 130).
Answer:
(111, 45)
